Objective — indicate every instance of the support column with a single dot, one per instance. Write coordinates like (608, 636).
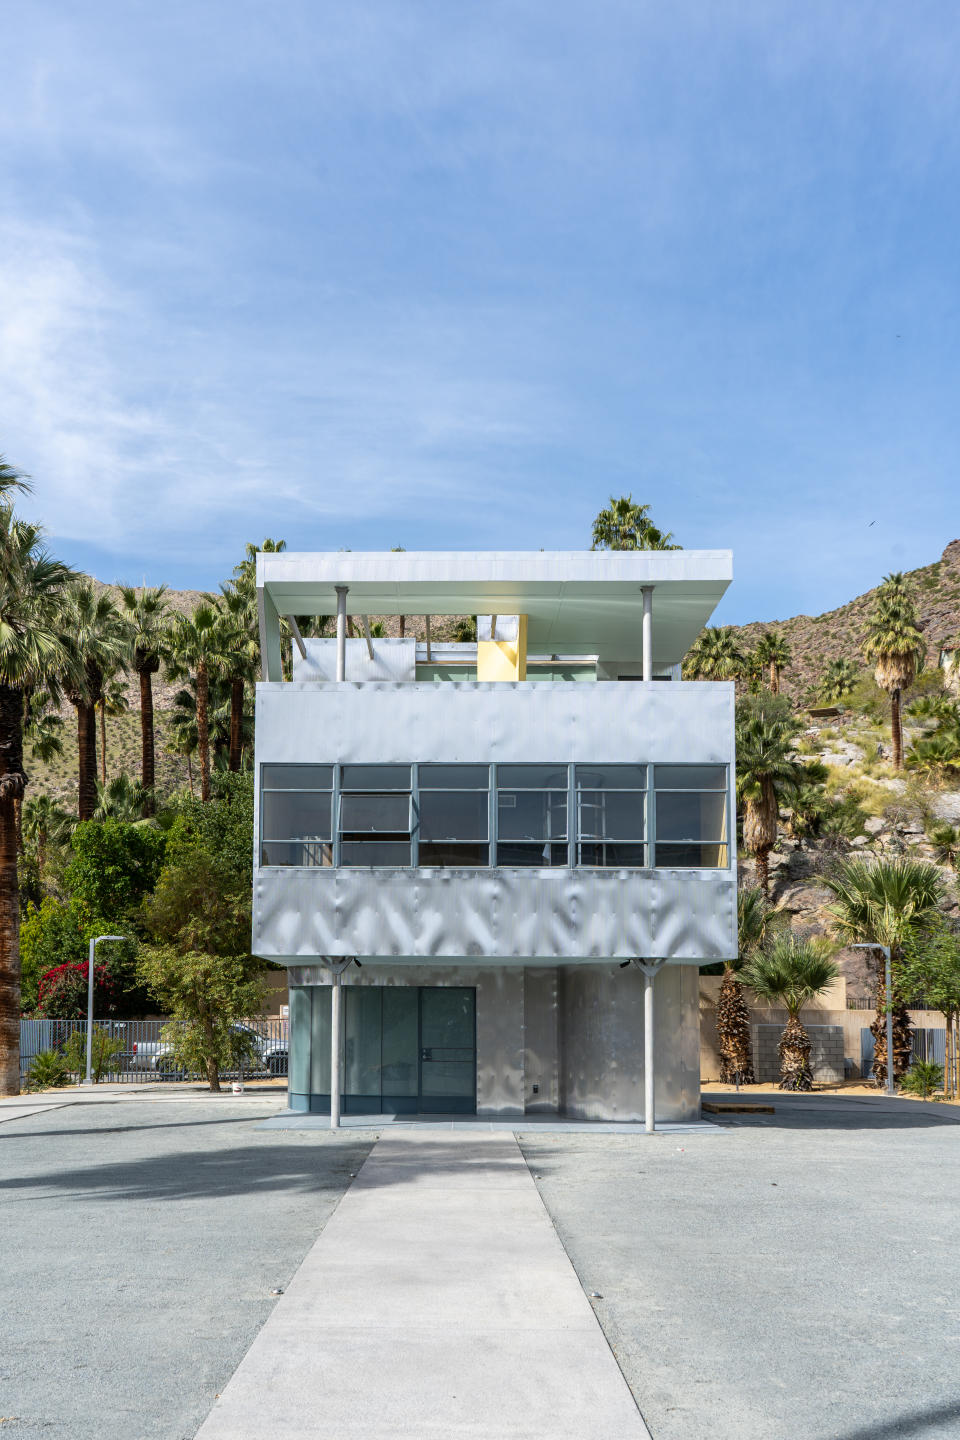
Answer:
(341, 632)
(647, 631)
(337, 968)
(649, 968)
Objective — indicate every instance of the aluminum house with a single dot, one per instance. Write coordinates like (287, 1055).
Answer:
(493, 869)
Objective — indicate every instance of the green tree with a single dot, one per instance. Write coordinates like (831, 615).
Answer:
(51, 934)
(755, 922)
(115, 865)
(199, 648)
(768, 776)
(624, 525)
(716, 655)
(773, 651)
(148, 616)
(791, 973)
(122, 799)
(837, 680)
(930, 969)
(198, 967)
(101, 638)
(885, 903)
(241, 645)
(893, 643)
(45, 823)
(33, 653)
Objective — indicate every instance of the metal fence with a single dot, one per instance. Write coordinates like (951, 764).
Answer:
(134, 1051)
(928, 1044)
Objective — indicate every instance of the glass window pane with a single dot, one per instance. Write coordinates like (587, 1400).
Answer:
(701, 857)
(374, 812)
(455, 854)
(400, 1049)
(453, 815)
(376, 777)
(617, 856)
(690, 777)
(516, 854)
(612, 814)
(691, 815)
(612, 777)
(454, 777)
(361, 1041)
(301, 853)
(375, 852)
(295, 815)
(296, 777)
(532, 815)
(532, 777)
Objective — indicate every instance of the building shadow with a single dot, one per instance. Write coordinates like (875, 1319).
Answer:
(919, 1423)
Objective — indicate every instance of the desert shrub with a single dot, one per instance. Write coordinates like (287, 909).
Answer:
(63, 991)
(103, 1050)
(48, 1070)
(923, 1077)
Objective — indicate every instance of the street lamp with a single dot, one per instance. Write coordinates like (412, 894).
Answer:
(93, 950)
(872, 945)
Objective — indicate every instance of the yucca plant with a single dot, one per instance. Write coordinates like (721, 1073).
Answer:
(48, 1071)
(791, 972)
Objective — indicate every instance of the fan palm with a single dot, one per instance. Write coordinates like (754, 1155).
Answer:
(102, 640)
(32, 652)
(792, 972)
(45, 823)
(122, 799)
(755, 922)
(241, 642)
(715, 656)
(768, 775)
(773, 651)
(895, 646)
(199, 648)
(885, 903)
(626, 526)
(837, 680)
(148, 615)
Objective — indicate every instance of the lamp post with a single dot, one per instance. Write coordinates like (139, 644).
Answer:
(93, 950)
(888, 979)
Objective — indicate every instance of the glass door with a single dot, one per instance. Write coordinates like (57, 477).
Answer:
(448, 1050)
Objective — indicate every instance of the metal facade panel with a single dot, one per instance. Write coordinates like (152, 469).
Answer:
(393, 660)
(601, 1043)
(541, 1052)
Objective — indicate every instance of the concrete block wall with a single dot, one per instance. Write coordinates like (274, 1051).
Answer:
(826, 1052)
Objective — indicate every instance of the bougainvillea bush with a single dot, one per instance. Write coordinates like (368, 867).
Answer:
(63, 992)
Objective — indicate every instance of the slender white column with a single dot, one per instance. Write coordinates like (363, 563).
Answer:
(335, 1052)
(341, 632)
(649, 968)
(647, 592)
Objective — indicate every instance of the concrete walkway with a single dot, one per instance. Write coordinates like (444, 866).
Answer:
(438, 1302)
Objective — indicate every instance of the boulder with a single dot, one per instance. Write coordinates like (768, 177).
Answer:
(874, 824)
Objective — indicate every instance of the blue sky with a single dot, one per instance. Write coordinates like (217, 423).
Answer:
(449, 274)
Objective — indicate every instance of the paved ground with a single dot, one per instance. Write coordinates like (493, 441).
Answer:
(437, 1303)
(139, 1243)
(795, 1276)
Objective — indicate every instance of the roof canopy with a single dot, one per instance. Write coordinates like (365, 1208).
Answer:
(577, 601)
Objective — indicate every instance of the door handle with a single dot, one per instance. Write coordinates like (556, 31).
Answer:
(426, 1054)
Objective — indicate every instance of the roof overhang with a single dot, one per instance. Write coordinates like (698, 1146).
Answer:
(576, 601)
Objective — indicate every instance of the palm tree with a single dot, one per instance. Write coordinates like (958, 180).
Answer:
(715, 656)
(885, 903)
(241, 642)
(791, 973)
(32, 652)
(894, 644)
(198, 649)
(626, 526)
(122, 799)
(183, 738)
(148, 615)
(45, 823)
(755, 921)
(102, 640)
(113, 702)
(773, 651)
(837, 680)
(768, 775)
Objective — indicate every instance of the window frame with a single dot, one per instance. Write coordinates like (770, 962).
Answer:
(724, 844)
(266, 766)
(496, 766)
(644, 840)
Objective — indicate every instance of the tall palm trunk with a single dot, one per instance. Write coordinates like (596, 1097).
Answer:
(147, 753)
(760, 830)
(203, 730)
(794, 1051)
(733, 1032)
(190, 774)
(236, 720)
(896, 729)
(12, 782)
(403, 626)
(103, 741)
(774, 678)
(902, 1033)
(86, 760)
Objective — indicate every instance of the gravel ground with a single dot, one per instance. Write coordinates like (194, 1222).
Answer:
(793, 1275)
(139, 1244)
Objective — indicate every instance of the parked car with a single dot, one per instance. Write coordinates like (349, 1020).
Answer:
(265, 1054)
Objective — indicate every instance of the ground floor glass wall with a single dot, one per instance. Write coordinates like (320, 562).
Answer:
(405, 1049)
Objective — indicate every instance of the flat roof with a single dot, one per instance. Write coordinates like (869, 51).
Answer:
(576, 600)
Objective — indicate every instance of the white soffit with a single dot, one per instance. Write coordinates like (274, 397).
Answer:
(575, 600)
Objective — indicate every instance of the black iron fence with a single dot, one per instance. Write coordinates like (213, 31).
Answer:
(135, 1051)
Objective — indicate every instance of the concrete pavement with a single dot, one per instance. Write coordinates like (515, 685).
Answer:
(438, 1302)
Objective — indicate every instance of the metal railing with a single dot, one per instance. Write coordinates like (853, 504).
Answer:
(134, 1051)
